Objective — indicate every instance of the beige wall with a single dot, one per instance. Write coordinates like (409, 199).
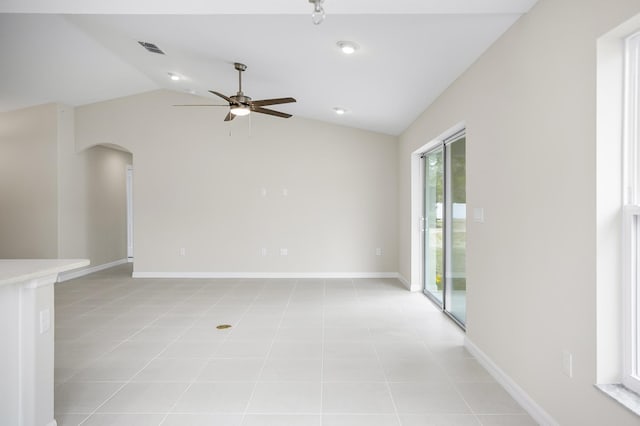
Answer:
(198, 185)
(529, 104)
(57, 202)
(28, 183)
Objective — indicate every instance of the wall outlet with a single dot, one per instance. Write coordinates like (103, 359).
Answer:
(567, 364)
(263, 252)
(285, 192)
(378, 251)
(263, 192)
(284, 252)
(183, 251)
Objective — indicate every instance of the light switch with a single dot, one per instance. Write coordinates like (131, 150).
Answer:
(284, 252)
(45, 321)
(478, 214)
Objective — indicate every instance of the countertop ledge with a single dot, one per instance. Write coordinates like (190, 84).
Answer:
(14, 271)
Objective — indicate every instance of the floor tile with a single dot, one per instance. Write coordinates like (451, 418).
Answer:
(171, 370)
(413, 369)
(218, 397)
(339, 352)
(144, 398)
(507, 420)
(203, 420)
(441, 398)
(439, 420)
(488, 398)
(107, 369)
(291, 370)
(293, 349)
(286, 397)
(282, 420)
(70, 419)
(466, 370)
(360, 420)
(254, 348)
(110, 419)
(355, 398)
(83, 397)
(352, 370)
(231, 369)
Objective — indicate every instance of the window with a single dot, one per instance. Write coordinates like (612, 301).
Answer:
(631, 216)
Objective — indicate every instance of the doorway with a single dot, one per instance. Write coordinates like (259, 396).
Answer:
(444, 225)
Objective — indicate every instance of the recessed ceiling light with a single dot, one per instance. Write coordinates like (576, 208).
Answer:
(340, 111)
(347, 47)
(174, 77)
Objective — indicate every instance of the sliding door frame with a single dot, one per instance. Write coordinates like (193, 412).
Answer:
(447, 218)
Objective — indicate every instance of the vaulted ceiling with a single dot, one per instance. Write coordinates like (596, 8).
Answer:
(79, 51)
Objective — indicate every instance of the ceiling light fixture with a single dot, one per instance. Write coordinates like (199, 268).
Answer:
(347, 47)
(340, 111)
(318, 12)
(240, 110)
(174, 77)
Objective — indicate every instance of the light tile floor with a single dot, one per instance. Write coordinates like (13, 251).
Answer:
(137, 352)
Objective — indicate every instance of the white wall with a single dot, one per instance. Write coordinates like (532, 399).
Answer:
(198, 185)
(529, 104)
(28, 183)
(56, 202)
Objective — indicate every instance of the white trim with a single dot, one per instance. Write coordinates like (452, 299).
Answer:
(52, 423)
(66, 276)
(529, 404)
(323, 275)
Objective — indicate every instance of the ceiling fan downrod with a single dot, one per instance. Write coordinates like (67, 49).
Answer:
(240, 67)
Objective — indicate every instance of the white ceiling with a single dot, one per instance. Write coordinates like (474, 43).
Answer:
(79, 51)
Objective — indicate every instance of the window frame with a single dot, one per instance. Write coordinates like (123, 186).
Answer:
(631, 216)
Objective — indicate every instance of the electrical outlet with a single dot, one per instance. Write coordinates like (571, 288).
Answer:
(285, 192)
(183, 251)
(378, 251)
(263, 252)
(284, 252)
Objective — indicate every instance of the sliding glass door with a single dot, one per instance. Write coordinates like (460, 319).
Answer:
(433, 221)
(445, 213)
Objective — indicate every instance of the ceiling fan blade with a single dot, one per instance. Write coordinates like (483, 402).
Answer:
(229, 117)
(265, 102)
(226, 98)
(200, 105)
(270, 112)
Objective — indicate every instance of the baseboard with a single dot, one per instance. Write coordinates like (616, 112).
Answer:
(321, 275)
(529, 404)
(66, 276)
(404, 281)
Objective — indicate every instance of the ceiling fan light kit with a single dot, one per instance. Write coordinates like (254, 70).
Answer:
(318, 15)
(240, 104)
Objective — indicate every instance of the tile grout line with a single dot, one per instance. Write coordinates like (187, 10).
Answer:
(141, 369)
(226, 337)
(267, 355)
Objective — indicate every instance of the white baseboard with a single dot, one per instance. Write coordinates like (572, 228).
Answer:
(404, 282)
(66, 276)
(529, 404)
(321, 275)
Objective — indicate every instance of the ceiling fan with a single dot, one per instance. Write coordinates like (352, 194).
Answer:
(240, 104)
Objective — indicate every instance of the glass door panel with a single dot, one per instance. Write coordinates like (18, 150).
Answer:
(456, 230)
(433, 225)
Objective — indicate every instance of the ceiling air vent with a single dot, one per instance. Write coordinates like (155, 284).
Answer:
(151, 47)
